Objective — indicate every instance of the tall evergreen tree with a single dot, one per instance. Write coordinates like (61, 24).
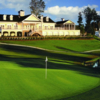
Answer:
(80, 19)
(37, 6)
(80, 25)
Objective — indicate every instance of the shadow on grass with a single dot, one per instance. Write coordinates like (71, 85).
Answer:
(67, 50)
(40, 63)
(93, 94)
(39, 52)
(96, 53)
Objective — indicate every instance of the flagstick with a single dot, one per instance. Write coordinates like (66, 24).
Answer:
(46, 68)
(46, 71)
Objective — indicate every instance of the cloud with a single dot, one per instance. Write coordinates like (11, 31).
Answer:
(66, 12)
(98, 12)
(14, 4)
(56, 11)
(17, 4)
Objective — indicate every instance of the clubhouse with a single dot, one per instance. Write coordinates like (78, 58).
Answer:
(31, 25)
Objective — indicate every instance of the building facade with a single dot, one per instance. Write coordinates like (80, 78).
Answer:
(30, 25)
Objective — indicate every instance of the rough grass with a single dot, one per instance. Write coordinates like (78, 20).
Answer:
(22, 74)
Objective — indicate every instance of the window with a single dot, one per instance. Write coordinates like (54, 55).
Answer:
(2, 26)
(15, 26)
(46, 27)
(51, 27)
(9, 26)
(39, 27)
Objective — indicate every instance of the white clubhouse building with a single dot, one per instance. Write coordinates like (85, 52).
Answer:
(30, 25)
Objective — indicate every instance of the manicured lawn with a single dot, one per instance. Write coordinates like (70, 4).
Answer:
(62, 45)
(22, 73)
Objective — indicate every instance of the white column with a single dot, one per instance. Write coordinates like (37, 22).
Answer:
(74, 26)
(22, 25)
(1, 32)
(15, 33)
(35, 27)
(8, 33)
(69, 26)
(41, 25)
(30, 26)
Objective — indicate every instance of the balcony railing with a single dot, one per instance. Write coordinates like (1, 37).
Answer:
(58, 28)
(36, 29)
(10, 28)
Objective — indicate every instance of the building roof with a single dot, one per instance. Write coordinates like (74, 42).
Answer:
(16, 18)
(50, 20)
(44, 20)
(61, 22)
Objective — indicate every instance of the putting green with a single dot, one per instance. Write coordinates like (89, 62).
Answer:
(19, 83)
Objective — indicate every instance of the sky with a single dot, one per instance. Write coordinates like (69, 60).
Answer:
(55, 9)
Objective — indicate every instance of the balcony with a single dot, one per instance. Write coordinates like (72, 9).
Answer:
(36, 29)
(58, 28)
(15, 28)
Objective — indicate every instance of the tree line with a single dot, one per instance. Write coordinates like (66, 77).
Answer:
(92, 21)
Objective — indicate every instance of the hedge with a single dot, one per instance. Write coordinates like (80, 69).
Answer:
(47, 37)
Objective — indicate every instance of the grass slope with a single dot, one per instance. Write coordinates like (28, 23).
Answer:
(62, 45)
(22, 74)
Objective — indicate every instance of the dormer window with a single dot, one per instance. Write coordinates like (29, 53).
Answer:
(11, 17)
(47, 18)
(4, 17)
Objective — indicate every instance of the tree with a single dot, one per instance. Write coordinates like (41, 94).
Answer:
(80, 25)
(90, 16)
(80, 19)
(98, 22)
(94, 15)
(37, 6)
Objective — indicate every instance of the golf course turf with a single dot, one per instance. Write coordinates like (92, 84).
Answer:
(22, 70)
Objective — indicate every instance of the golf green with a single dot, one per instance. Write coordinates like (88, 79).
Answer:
(20, 83)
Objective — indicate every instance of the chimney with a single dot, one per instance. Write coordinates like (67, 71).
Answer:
(21, 13)
(4, 17)
(47, 18)
(11, 17)
(42, 18)
(62, 19)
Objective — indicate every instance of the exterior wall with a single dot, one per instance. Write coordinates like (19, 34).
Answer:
(12, 24)
(9, 32)
(61, 32)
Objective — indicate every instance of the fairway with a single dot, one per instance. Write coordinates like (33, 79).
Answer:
(22, 71)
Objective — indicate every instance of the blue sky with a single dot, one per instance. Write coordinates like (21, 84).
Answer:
(55, 9)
